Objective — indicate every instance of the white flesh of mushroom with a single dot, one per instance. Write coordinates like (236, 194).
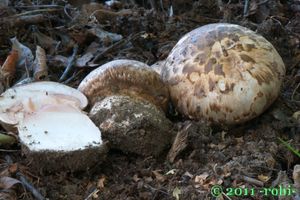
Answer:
(58, 128)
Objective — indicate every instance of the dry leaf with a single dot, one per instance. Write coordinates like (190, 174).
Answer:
(159, 176)
(8, 69)
(40, 69)
(263, 178)
(176, 193)
(172, 171)
(44, 41)
(136, 178)
(100, 183)
(201, 178)
(8, 195)
(9, 65)
(296, 115)
(8, 182)
(25, 55)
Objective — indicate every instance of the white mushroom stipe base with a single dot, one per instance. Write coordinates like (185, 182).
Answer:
(132, 125)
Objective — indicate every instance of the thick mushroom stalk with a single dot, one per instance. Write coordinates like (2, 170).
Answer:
(132, 125)
(128, 99)
(224, 73)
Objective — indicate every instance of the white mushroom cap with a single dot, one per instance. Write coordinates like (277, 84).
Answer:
(224, 73)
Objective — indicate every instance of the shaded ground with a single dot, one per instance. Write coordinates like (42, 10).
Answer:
(248, 156)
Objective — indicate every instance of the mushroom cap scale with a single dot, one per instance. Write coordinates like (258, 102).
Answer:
(125, 77)
(224, 73)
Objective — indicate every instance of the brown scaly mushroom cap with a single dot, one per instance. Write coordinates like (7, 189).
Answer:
(224, 73)
(125, 77)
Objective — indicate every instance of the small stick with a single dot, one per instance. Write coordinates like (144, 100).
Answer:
(251, 180)
(294, 92)
(95, 191)
(153, 4)
(37, 11)
(40, 6)
(71, 62)
(116, 45)
(9, 150)
(246, 8)
(29, 187)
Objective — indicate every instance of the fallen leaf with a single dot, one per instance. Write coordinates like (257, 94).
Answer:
(136, 178)
(9, 66)
(188, 174)
(13, 168)
(8, 195)
(159, 176)
(176, 193)
(40, 69)
(83, 60)
(100, 183)
(263, 178)
(44, 41)
(296, 115)
(172, 171)
(25, 58)
(7, 182)
(201, 178)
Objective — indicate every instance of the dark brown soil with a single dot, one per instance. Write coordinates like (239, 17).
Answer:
(250, 156)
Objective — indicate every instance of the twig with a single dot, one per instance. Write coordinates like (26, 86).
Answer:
(29, 187)
(153, 4)
(40, 6)
(202, 20)
(161, 5)
(71, 62)
(8, 150)
(67, 81)
(251, 180)
(116, 45)
(22, 20)
(155, 189)
(223, 193)
(261, 3)
(294, 92)
(95, 191)
(246, 8)
(37, 11)
(66, 12)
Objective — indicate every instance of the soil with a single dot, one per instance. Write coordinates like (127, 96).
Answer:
(251, 156)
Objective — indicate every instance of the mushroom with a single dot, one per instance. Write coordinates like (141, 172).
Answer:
(125, 77)
(31, 97)
(157, 66)
(54, 132)
(128, 101)
(224, 73)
